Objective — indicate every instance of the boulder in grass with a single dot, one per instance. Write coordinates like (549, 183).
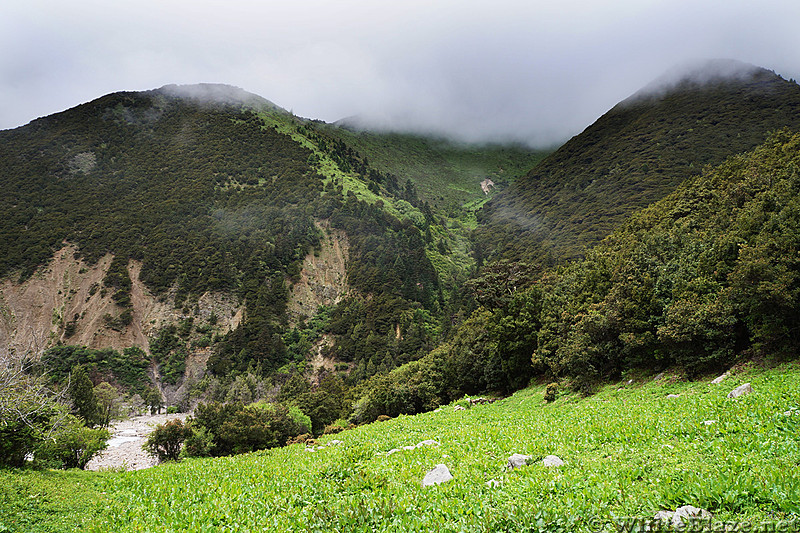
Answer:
(741, 390)
(518, 460)
(684, 516)
(718, 380)
(671, 396)
(552, 460)
(439, 474)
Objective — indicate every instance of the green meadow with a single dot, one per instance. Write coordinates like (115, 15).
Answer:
(629, 451)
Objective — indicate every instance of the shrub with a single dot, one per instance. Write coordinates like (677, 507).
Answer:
(233, 428)
(72, 446)
(200, 443)
(551, 392)
(166, 440)
(306, 438)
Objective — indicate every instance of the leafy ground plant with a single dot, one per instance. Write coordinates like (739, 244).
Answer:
(629, 451)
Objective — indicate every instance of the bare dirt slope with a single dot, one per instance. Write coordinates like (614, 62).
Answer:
(323, 279)
(35, 313)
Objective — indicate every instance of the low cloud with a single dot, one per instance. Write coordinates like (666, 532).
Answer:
(533, 72)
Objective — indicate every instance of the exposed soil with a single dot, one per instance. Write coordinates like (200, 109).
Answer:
(323, 278)
(34, 314)
(125, 446)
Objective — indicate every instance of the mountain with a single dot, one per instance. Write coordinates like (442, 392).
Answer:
(634, 154)
(205, 225)
(446, 173)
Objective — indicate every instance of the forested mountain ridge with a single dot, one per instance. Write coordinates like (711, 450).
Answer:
(635, 154)
(212, 198)
(703, 279)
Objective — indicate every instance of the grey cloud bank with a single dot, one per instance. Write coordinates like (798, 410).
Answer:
(534, 72)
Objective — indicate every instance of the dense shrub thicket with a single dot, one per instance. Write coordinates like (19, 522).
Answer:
(231, 428)
(707, 275)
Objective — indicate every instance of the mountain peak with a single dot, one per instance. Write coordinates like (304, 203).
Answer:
(699, 74)
(218, 94)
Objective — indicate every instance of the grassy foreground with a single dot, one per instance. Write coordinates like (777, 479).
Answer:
(629, 452)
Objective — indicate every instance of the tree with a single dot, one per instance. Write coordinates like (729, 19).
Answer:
(81, 392)
(72, 445)
(152, 398)
(166, 440)
(30, 411)
(106, 395)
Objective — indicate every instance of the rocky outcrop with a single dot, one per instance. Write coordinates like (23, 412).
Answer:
(518, 460)
(741, 390)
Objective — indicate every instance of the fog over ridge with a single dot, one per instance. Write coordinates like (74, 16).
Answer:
(532, 71)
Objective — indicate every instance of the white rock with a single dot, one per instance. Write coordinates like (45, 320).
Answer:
(687, 513)
(335, 442)
(427, 442)
(664, 516)
(439, 474)
(552, 460)
(518, 460)
(718, 380)
(741, 390)
(709, 422)
(673, 396)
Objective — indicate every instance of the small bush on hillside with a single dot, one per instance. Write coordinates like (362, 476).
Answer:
(72, 446)
(551, 392)
(234, 428)
(166, 440)
(306, 438)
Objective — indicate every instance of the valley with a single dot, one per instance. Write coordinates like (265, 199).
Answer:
(323, 305)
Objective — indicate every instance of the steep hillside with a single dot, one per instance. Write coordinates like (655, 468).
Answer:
(635, 154)
(166, 209)
(703, 279)
(447, 174)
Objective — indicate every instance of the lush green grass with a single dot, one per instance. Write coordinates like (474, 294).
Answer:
(629, 451)
(52, 501)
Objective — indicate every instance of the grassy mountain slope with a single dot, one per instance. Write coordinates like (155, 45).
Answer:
(447, 174)
(629, 451)
(633, 155)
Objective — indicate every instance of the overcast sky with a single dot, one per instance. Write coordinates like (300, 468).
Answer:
(537, 71)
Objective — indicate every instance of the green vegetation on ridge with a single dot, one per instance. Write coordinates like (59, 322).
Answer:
(635, 154)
